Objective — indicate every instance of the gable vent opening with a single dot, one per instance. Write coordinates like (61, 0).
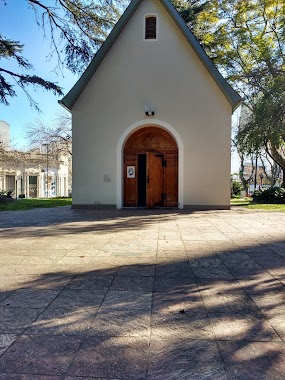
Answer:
(150, 28)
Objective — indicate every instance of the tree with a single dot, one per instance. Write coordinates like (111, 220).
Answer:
(246, 176)
(57, 136)
(189, 10)
(264, 127)
(245, 39)
(76, 28)
(271, 169)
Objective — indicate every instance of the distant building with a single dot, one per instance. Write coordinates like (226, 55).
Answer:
(4, 134)
(38, 173)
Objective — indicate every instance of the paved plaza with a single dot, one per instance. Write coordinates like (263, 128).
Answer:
(137, 294)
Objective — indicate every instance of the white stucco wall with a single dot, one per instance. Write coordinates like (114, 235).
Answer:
(169, 75)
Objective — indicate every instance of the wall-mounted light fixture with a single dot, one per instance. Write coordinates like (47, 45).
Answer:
(149, 110)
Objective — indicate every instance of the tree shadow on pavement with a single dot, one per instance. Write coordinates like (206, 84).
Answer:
(202, 312)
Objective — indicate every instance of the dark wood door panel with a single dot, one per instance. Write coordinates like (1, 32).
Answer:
(130, 184)
(171, 180)
(161, 171)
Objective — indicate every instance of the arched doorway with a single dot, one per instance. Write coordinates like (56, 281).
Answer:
(150, 169)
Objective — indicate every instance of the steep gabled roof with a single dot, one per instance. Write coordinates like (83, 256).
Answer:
(71, 97)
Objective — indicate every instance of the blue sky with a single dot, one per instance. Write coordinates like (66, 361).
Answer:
(18, 23)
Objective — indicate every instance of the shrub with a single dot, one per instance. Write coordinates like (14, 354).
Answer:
(271, 195)
(5, 196)
(236, 189)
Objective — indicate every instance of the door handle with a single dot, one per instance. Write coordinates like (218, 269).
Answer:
(148, 179)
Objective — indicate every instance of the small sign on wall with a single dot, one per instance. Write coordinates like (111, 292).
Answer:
(107, 178)
(131, 172)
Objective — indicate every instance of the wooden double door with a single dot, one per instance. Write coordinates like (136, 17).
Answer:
(151, 175)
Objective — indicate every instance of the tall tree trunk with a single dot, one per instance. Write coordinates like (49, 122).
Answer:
(279, 159)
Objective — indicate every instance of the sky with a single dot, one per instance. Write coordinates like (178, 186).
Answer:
(18, 23)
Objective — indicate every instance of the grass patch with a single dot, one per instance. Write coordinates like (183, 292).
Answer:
(247, 203)
(241, 201)
(26, 204)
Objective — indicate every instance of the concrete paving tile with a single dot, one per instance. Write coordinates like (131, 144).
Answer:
(55, 250)
(75, 261)
(181, 325)
(226, 298)
(254, 360)
(43, 261)
(179, 284)
(143, 259)
(95, 270)
(137, 270)
(45, 355)
(276, 270)
(233, 259)
(215, 237)
(129, 247)
(271, 265)
(83, 252)
(199, 246)
(173, 302)
(77, 299)
(178, 254)
(261, 283)
(112, 357)
(270, 303)
(11, 376)
(200, 254)
(230, 304)
(89, 378)
(180, 269)
(5, 341)
(35, 298)
(118, 322)
(246, 268)
(168, 235)
(242, 327)
(31, 269)
(175, 359)
(209, 268)
(264, 255)
(63, 322)
(193, 238)
(278, 323)
(4, 295)
(56, 281)
(118, 300)
(90, 282)
(133, 283)
(17, 319)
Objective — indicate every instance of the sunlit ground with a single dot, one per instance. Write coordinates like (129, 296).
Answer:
(142, 294)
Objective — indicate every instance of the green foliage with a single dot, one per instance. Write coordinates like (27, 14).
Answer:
(236, 188)
(189, 10)
(273, 195)
(12, 50)
(245, 39)
(5, 197)
(263, 127)
(76, 29)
